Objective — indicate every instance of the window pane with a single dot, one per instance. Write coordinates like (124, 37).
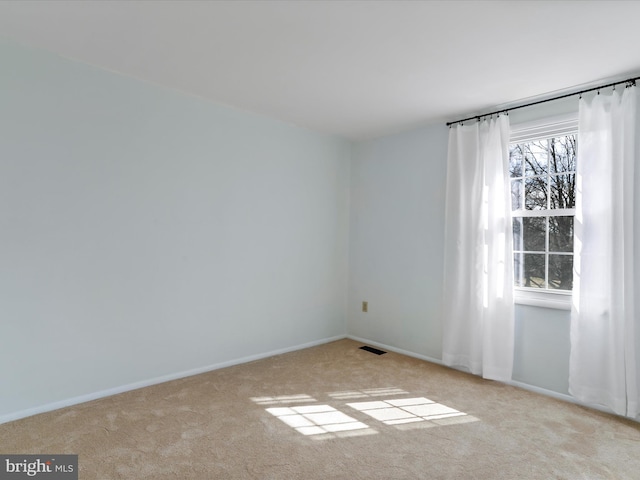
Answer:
(563, 191)
(518, 269)
(535, 191)
(515, 160)
(516, 194)
(561, 272)
(561, 234)
(528, 270)
(535, 158)
(517, 234)
(534, 233)
(562, 154)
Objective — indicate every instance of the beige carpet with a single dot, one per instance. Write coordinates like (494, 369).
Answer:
(333, 411)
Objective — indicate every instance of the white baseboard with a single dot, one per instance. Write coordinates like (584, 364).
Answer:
(196, 371)
(154, 381)
(560, 396)
(524, 386)
(395, 349)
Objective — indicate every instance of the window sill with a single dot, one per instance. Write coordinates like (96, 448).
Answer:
(545, 299)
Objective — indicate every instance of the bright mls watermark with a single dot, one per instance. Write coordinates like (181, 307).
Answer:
(49, 467)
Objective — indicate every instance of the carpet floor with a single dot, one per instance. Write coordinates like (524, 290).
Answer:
(333, 411)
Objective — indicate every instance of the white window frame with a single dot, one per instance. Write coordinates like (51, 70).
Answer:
(528, 132)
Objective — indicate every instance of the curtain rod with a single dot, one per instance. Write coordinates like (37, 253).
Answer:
(505, 110)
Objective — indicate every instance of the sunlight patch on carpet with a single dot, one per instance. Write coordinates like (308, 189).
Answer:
(368, 392)
(411, 410)
(321, 420)
(316, 419)
(283, 399)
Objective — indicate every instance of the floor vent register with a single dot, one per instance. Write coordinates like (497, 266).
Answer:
(372, 350)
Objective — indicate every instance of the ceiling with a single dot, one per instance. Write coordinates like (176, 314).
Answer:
(358, 69)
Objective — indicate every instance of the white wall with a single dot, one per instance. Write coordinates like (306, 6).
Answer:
(146, 233)
(396, 239)
(396, 250)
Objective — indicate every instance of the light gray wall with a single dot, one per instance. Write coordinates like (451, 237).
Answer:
(541, 356)
(396, 239)
(147, 233)
(395, 258)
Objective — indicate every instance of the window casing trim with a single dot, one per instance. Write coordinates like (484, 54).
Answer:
(560, 300)
(527, 132)
(544, 128)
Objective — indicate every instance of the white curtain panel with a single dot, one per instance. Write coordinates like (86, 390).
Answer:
(478, 278)
(603, 368)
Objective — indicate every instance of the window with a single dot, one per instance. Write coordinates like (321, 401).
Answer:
(543, 187)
